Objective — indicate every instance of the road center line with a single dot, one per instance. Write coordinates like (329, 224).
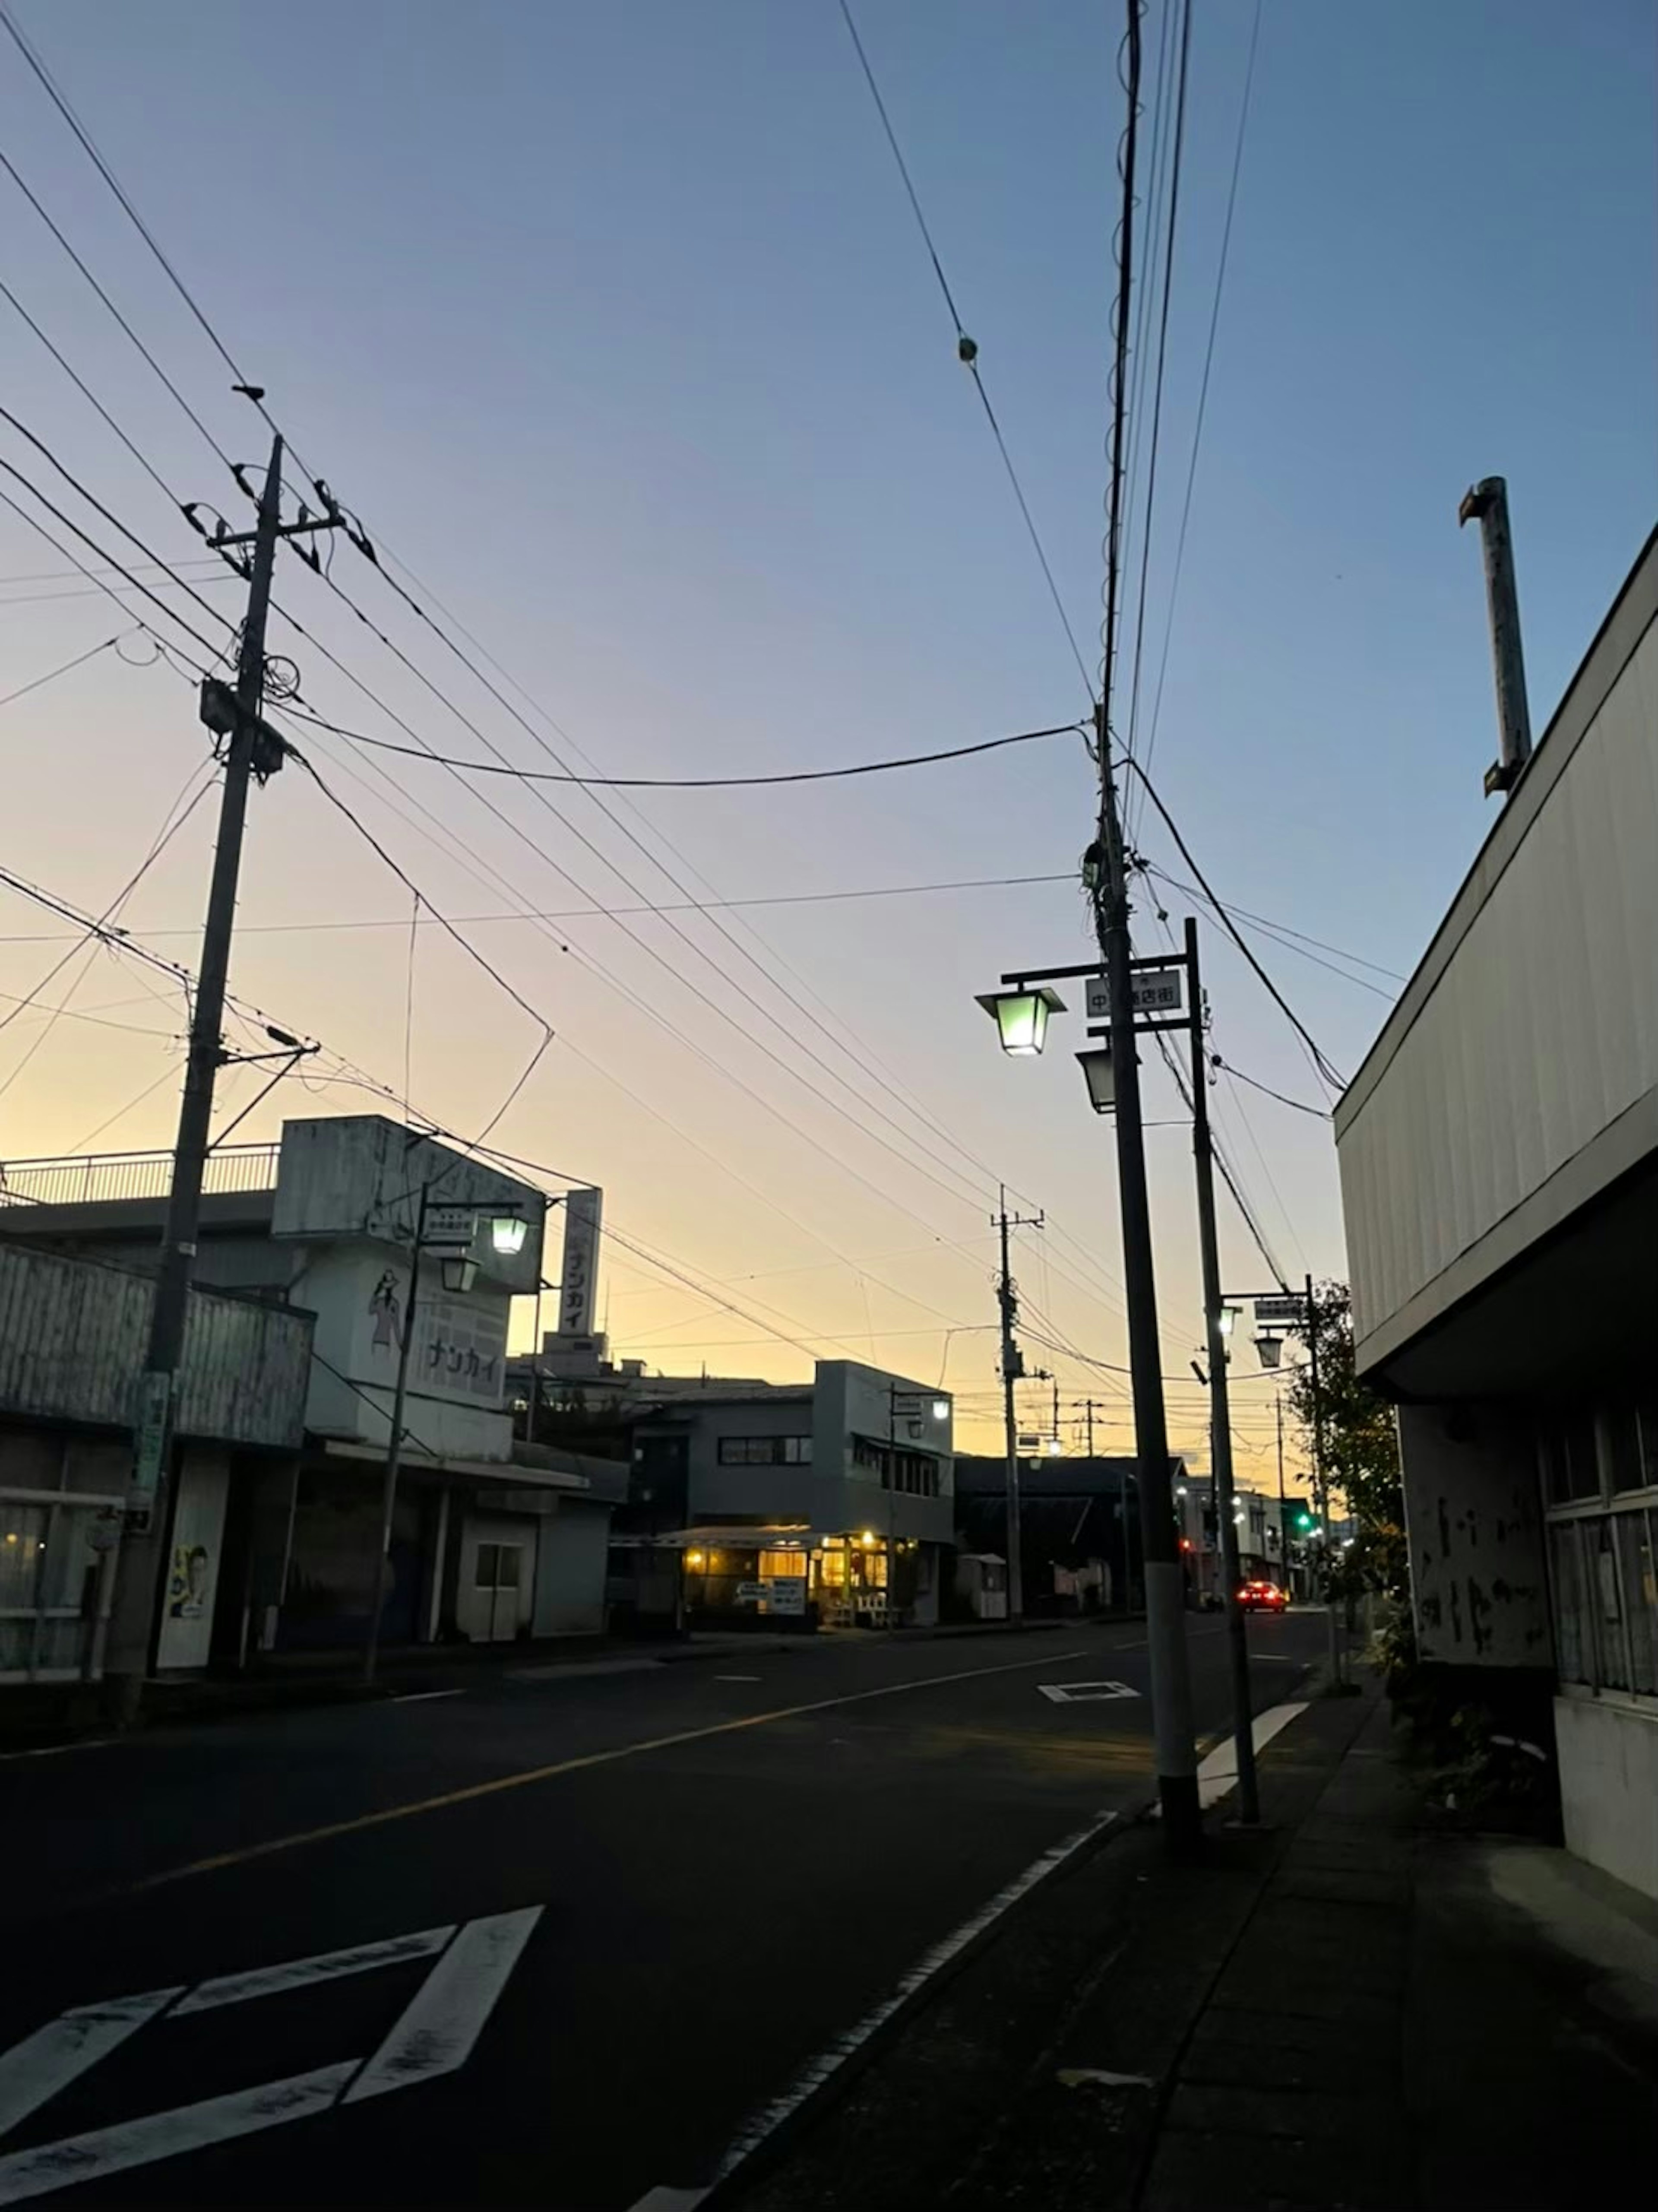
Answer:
(533, 1774)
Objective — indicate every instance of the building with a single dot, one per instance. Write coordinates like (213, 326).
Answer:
(491, 1539)
(1079, 1528)
(72, 1337)
(1499, 1172)
(1273, 1537)
(826, 1503)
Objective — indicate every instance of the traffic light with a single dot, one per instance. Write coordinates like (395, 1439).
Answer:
(1303, 1519)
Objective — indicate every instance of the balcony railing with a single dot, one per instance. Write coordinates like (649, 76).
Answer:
(105, 1175)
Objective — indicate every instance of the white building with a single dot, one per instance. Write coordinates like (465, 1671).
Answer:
(489, 1542)
(843, 1486)
(1499, 1173)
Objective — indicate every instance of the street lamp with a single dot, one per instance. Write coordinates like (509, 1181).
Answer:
(1021, 1017)
(1100, 1073)
(941, 1409)
(1269, 1350)
(453, 1238)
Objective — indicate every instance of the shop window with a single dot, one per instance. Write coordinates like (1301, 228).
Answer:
(1570, 1458)
(1620, 1439)
(1606, 1600)
(488, 1567)
(786, 1564)
(1638, 1533)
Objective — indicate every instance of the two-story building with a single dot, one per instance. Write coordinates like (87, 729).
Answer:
(821, 1503)
(1499, 1173)
(491, 1539)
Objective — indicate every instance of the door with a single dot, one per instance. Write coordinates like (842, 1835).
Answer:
(497, 1579)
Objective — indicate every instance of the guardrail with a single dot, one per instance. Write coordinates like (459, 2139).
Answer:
(105, 1175)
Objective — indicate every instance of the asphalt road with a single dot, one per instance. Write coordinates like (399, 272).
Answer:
(587, 1925)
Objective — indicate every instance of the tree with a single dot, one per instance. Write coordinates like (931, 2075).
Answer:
(1359, 1443)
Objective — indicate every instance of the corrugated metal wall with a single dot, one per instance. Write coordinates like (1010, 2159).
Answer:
(72, 1335)
(1540, 1031)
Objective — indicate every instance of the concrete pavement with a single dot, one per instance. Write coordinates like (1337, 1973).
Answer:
(582, 1927)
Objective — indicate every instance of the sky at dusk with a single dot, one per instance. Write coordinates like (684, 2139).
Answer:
(613, 326)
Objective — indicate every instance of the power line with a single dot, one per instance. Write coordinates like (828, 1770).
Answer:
(585, 913)
(691, 782)
(52, 675)
(1319, 1113)
(1162, 348)
(1203, 388)
(967, 351)
(1326, 1069)
(1281, 930)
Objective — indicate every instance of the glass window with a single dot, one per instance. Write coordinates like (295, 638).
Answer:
(508, 1561)
(1620, 1435)
(22, 1541)
(1606, 1597)
(1636, 1535)
(483, 1577)
(1571, 1649)
(1571, 1457)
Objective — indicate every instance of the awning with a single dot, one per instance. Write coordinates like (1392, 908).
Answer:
(476, 1470)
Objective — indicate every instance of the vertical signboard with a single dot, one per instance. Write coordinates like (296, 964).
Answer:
(578, 1293)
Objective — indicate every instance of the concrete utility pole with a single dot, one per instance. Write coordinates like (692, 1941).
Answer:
(252, 748)
(1321, 1483)
(1488, 504)
(1165, 1595)
(1220, 1417)
(1012, 1368)
(1283, 1511)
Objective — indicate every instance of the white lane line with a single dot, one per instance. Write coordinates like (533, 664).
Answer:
(425, 1696)
(322, 1967)
(1219, 1773)
(438, 2029)
(736, 1678)
(771, 2116)
(165, 2134)
(47, 2061)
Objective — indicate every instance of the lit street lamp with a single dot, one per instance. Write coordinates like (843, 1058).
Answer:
(1021, 1017)
(451, 1232)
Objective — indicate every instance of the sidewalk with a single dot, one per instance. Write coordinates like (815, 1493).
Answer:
(1349, 2009)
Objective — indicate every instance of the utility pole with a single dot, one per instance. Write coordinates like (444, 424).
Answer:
(251, 748)
(394, 1447)
(1283, 1511)
(1220, 1419)
(1012, 1368)
(1165, 1596)
(1321, 1483)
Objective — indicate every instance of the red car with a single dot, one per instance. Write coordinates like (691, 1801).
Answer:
(1261, 1597)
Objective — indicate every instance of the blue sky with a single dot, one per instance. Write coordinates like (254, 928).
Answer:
(614, 324)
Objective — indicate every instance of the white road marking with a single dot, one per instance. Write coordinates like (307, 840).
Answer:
(1086, 1693)
(930, 1964)
(736, 1678)
(56, 1750)
(324, 1966)
(1072, 2077)
(425, 1696)
(51, 2058)
(1219, 1773)
(165, 2134)
(440, 2025)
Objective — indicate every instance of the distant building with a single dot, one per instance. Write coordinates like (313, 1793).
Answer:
(492, 1539)
(1499, 1174)
(1079, 1528)
(827, 1503)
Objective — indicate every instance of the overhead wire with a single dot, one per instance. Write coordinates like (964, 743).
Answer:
(967, 351)
(52, 674)
(1203, 387)
(694, 782)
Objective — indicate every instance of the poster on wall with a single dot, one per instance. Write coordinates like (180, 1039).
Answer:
(460, 1343)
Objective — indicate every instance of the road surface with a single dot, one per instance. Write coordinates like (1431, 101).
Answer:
(549, 1940)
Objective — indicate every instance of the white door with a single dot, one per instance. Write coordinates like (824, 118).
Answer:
(497, 1579)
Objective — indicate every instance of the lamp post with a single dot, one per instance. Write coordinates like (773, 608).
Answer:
(458, 1271)
(1128, 996)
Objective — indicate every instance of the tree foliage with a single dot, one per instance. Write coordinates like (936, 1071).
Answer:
(1359, 1442)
